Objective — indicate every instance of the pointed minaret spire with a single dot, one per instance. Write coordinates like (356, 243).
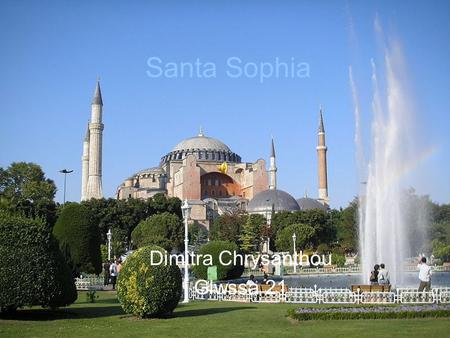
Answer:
(272, 168)
(272, 154)
(86, 136)
(94, 182)
(321, 128)
(98, 94)
(322, 162)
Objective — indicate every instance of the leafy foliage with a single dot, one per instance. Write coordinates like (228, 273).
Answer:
(198, 235)
(319, 220)
(224, 272)
(304, 236)
(164, 229)
(250, 237)
(338, 259)
(33, 270)
(122, 216)
(227, 227)
(147, 290)
(441, 250)
(79, 239)
(347, 227)
(24, 189)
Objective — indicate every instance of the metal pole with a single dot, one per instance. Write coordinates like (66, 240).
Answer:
(64, 199)
(186, 263)
(65, 172)
(295, 254)
(109, 235)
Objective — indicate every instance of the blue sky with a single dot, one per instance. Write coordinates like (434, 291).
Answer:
(52, 52)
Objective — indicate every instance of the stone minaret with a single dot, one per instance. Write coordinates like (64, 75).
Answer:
(85, 166)
(94, 185)
(322, 157)
(272, 169)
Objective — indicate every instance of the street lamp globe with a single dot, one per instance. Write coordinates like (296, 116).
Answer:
(186, 209)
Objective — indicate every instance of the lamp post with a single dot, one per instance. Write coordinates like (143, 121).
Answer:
(294, 237)
(186, 209)
(65, 172)
(109, 236)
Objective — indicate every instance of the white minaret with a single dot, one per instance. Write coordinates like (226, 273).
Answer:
(85, 166)
(322, 159)
(94, 184)
(272, 169)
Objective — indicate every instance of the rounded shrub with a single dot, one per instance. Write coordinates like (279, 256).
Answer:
(338, 259)
(213, 249)
(33, 270)
(147, 290)
(79, 239)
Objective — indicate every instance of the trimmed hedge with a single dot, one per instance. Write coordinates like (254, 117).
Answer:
(79, 239)
(214, 248)
(147, 290)
(33, 270)
(392, 312)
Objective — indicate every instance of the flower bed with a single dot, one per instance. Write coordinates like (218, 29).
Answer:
(370, 312)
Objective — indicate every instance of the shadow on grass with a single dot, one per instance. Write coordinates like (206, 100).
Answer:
(105, 307)
(207, 311)
(68, 313)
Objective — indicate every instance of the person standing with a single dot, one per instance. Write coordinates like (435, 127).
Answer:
(106, 275)
(424, 275)
(374, 275)
(383, 275)
(118, 266)
(113, 272)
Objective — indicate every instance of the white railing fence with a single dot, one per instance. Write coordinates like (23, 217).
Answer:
(328, 296)
(89, 282)
(289, 270)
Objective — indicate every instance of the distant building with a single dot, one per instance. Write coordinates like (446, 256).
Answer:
(206, 172)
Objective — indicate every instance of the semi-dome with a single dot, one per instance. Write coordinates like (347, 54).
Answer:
(306, 203)
(275, 199)
(204, 148)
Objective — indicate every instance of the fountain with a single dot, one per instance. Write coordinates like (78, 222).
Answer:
(384, 207)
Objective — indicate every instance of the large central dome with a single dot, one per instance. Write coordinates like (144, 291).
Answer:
(201, 142)
(204, 149)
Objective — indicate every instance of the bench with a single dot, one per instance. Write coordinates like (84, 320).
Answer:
(371, 288)
(276, 288)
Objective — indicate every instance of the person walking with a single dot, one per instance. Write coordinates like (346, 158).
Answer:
(424, 275)
(383, 275)
(113, 272)
(106, 275)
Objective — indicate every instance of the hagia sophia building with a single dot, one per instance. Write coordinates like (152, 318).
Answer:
(205, 172)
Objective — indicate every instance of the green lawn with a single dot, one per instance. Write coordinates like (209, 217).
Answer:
(203, 319)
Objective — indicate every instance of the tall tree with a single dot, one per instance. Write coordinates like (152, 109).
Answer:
(347, 227)
(304, 237)
(79, 239)
(250, 236)
(227, 227)
(164, 230)
(24, 189)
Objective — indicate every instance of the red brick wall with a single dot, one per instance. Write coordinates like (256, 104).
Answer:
(191, 179)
